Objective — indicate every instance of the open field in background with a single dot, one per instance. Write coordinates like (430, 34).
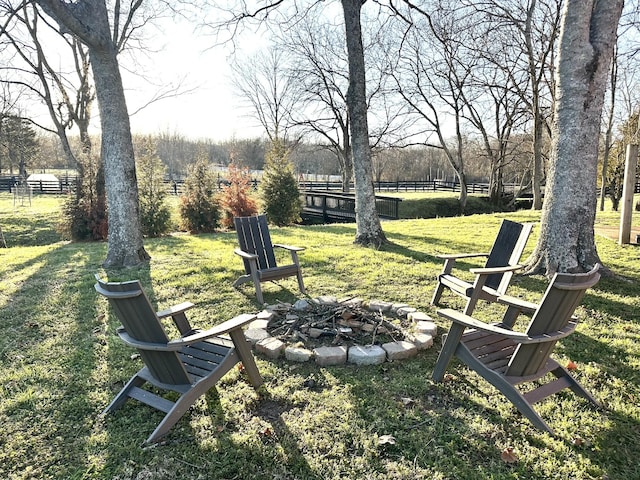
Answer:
(61, 363)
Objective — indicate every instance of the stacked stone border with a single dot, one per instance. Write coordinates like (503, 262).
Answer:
(422, 332)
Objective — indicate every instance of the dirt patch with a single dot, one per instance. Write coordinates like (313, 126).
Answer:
(612, 232)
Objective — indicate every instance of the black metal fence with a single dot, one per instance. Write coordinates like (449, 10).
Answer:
(341, 207)
(68, 184)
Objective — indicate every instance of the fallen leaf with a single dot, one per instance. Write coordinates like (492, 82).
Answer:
(448, 378)
(386, 440)
(579, 441)
(508, 455)
(266, 432)
(571, 365)
(407, 402)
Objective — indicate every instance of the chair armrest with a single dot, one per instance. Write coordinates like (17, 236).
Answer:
(518, 303)
(174, 345)
(245, 255)
(171, 311)
(492, 270)
(225, 327)
(132, 342)
(289, 247)
(470, 322)
(453, 256)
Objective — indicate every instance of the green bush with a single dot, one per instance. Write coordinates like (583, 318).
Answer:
(279, 188)
(155, 217)
(199, 209)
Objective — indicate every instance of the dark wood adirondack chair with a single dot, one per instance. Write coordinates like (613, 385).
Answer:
(506, 358)
(493, 279)
(190, 365)
(258, 255)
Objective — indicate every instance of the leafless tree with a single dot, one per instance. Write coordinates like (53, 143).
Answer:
(368, 226)
(531, 28)
(263, 82)
(433, 71)
(321, 74)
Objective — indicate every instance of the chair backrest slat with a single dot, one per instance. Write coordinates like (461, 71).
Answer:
(563, 295)
(506, 250)
(253, 237)
(136, 314)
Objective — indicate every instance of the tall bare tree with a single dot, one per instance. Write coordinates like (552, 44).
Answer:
(262, 81)
(588, 35)
(321, 74)
(533, 27)
(368, 227)
(433, 71)
(89, 21)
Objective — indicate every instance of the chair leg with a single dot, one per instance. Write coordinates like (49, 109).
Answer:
(171, 418)
(258, 292)
(471, 304)
(300, 282)
(448, 350)
(516, 398)
(435, 300)
(123, 395)
(574, 385)
(246, 357)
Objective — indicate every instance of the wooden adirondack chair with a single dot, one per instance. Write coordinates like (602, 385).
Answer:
(258, 255)
(493, 279)
(190, 365)
(506, 358)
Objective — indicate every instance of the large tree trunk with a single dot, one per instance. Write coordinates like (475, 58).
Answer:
(566, 242)
(368, 228)
(89, 21)
(125, 235)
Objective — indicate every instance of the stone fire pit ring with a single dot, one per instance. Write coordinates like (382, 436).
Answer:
(329, 331)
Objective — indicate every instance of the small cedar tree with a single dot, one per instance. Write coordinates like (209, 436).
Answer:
(155, 217)
(199, 209)
(279, 188)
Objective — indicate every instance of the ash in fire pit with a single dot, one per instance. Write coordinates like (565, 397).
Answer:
(347, 328)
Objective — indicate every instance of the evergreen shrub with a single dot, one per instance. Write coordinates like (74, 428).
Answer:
(279, 188)
(155, 216)
(199, 209)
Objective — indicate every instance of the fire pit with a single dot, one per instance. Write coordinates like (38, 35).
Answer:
(332, 331)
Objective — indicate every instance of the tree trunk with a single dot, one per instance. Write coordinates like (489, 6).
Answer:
(368, 227)
(537, 173)
(125, 235)
(89, 21)
(566, 242)
(3, 242)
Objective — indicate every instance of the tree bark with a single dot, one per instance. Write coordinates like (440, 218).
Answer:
(89, 21)
(566, 242)
(368, 227)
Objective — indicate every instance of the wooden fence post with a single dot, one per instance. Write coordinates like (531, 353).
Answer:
(627, 194)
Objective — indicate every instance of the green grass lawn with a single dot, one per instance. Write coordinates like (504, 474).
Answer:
(61, 364)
